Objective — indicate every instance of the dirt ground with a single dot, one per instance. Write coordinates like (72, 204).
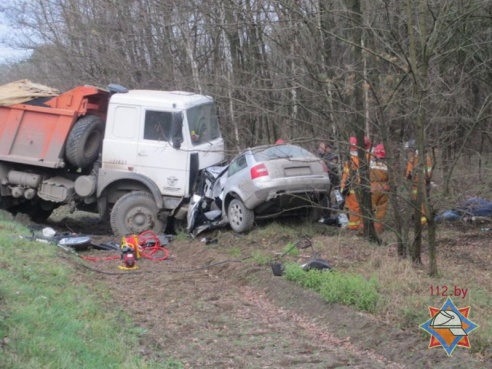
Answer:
(209, 309)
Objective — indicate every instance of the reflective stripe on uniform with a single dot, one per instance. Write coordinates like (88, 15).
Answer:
(378, 165)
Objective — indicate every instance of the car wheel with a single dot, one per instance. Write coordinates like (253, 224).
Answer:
(240, 218)
(134, 213)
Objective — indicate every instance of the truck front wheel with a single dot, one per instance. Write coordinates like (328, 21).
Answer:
(134, 213)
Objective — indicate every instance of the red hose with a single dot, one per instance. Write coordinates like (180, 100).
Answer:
(150, 244)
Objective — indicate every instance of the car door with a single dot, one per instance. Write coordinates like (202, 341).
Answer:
(239, 179)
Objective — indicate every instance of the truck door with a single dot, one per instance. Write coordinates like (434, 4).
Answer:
(121, 138)
(157, 159)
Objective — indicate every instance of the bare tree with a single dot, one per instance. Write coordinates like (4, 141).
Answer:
(303, 69)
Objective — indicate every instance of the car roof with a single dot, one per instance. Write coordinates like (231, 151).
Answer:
(256, 149)
(265, 147)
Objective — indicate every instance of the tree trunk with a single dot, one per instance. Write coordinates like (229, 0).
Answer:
(364, 193)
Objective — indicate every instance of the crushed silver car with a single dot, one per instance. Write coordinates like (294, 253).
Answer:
(260, 182)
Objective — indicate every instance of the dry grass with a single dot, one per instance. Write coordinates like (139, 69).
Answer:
(464, 260)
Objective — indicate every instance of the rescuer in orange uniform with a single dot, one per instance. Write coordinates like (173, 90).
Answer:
(378, 176)
(410, 174)
(350, 179)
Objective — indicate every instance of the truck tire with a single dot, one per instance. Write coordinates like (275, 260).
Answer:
(38, 214)
(84, 141)
(240, 218)
(134, 213)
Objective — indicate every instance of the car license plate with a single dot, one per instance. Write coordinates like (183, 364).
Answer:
(297, 171)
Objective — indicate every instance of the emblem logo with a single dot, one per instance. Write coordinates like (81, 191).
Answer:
(449, 327)
(171, 181)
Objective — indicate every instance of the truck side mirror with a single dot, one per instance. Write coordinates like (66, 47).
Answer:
(177, 130)
(177, 143)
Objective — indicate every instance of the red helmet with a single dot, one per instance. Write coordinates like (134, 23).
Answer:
(279, 142)
(379, 151)
(353, 143)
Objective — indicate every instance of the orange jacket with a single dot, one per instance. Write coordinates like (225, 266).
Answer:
(412, 164)
(378, 175)
(350, 172)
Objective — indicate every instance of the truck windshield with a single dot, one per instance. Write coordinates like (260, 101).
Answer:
(203, 124)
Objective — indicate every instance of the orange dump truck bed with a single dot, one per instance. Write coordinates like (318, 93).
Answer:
(36, 135)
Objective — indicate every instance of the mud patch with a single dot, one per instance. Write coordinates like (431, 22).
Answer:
(210, 309)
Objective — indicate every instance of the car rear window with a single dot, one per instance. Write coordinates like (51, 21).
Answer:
(280, 152)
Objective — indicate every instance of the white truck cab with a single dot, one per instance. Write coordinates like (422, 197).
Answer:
(161, 139)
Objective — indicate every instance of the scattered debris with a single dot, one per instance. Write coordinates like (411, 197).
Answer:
(318, 264)
(277, 269)
(64, 239)
(472, 210)
(133, 247)
(315, 262)
(209, 241)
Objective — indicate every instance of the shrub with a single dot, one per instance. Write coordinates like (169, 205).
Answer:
(344, 288)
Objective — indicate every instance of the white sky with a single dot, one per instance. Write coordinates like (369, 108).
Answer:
(6, 52)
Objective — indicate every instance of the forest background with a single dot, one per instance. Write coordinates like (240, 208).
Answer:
(302, 70)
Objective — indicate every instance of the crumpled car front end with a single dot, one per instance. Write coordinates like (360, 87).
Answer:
(204, 212)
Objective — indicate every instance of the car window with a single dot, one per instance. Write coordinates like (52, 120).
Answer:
(157, 125)
(280, 152)
(237, 165)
